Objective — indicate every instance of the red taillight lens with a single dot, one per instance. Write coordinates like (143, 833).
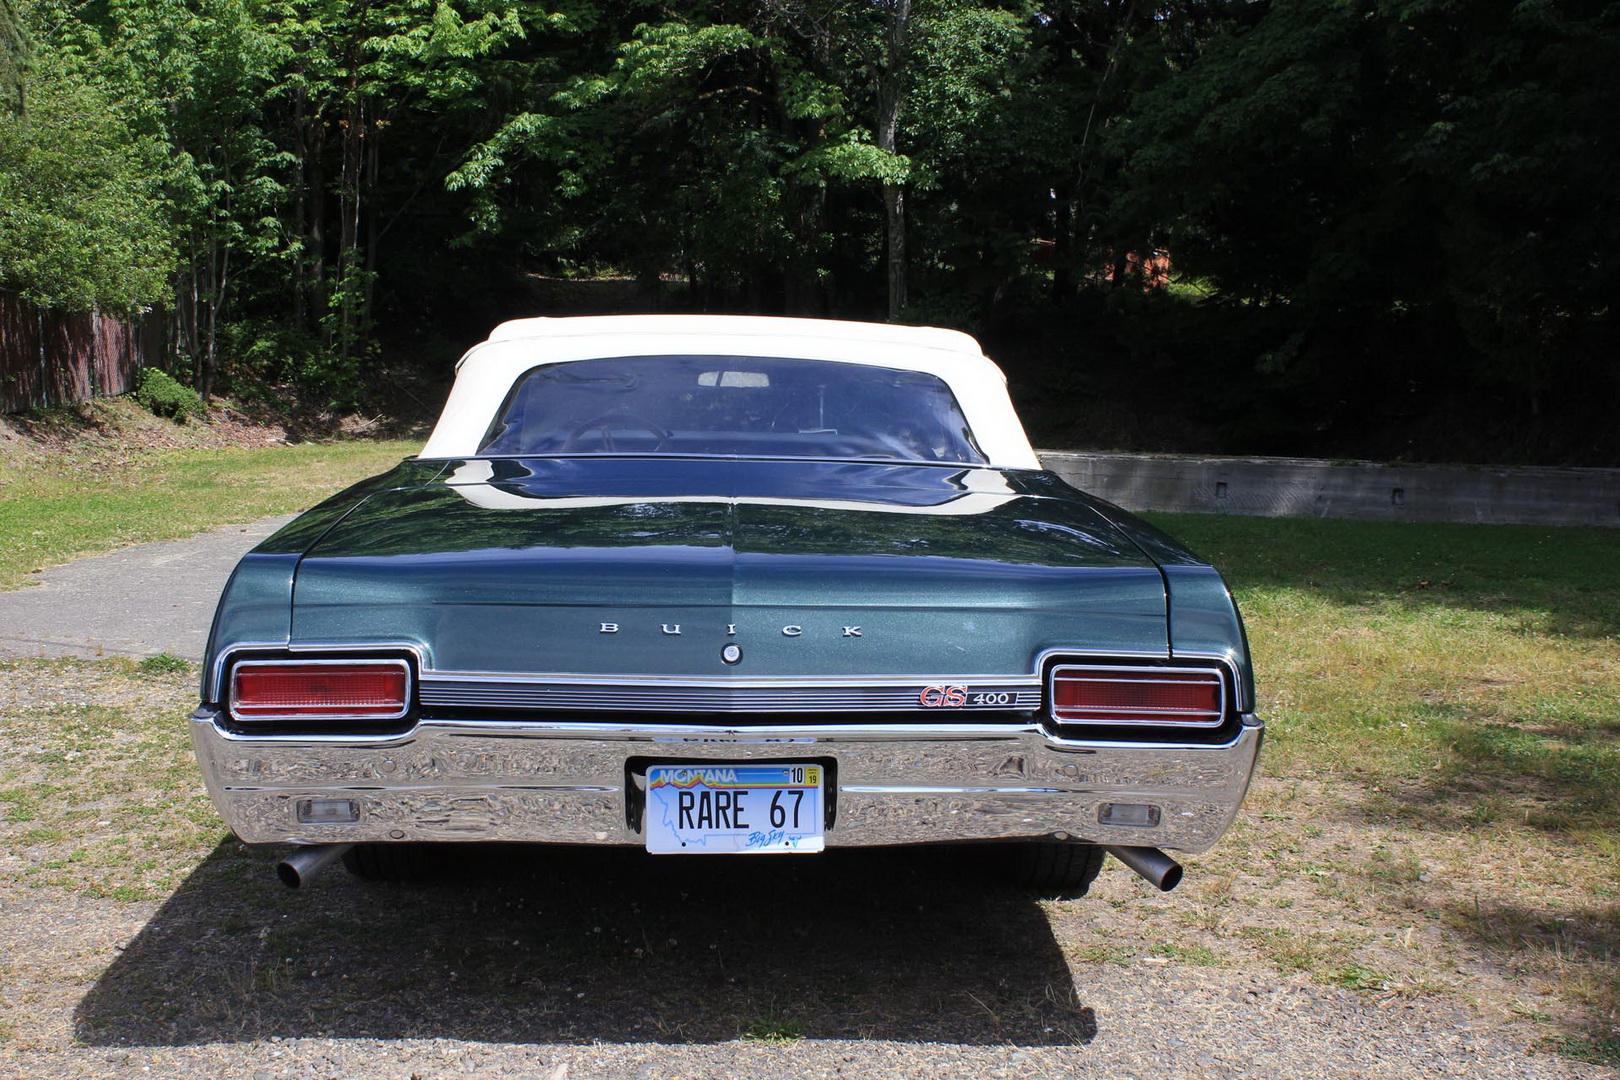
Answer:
(269, 689)
(1105, 695)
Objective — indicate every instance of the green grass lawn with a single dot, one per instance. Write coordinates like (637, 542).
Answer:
(1483, 661)
(57, 507)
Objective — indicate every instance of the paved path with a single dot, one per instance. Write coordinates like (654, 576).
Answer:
(138, 601)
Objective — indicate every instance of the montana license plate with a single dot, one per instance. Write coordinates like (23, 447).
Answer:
(734, 809)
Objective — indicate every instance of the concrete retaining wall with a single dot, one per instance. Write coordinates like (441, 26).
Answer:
(1302, 487)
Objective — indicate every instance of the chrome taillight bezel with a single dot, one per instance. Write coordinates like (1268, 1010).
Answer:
(297, 661)
(1138, 718)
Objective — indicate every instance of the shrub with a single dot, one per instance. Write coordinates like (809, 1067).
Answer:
(163, 663)
(164, 396)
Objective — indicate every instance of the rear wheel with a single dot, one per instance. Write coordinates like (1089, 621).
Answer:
(1058, 870)
(389, 862)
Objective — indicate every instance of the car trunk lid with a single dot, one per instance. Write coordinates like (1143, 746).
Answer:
(651, 566)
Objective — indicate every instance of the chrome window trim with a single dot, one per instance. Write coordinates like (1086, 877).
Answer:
(276, 718)
(1221, 678)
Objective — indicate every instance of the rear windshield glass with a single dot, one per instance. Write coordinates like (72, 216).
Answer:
(745, 406)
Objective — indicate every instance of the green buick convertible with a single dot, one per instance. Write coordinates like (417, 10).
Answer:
(722, 586)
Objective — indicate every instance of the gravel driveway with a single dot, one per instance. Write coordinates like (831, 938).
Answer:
(583, 964)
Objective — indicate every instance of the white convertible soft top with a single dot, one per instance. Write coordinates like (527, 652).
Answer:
(488, 370)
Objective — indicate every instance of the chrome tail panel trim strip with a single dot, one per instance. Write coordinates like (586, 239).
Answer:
(439, 691)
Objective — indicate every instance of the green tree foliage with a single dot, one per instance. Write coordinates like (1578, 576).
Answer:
(83, 221)
(15, 48)
(702, 148)
(206, 67)
(1376, 181)
(1386, 222)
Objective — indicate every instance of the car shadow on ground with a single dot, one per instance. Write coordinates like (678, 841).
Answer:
(577, 945)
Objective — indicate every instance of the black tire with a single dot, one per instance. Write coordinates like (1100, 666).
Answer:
(1056, 870)
(390, 862)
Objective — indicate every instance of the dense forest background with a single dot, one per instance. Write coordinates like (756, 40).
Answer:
(1381, 228)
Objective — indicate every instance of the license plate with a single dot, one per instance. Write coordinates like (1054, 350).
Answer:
(734, 809)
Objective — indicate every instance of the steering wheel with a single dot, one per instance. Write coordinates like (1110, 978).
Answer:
(608, 421)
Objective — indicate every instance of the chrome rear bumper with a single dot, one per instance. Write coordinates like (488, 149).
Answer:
(571, 782)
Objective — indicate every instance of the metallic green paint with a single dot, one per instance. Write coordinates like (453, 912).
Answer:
(1204, 619)
(256, 604)
(814, 568)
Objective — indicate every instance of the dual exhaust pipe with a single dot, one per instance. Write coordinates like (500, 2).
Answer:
(1153, 865)
(303, 863)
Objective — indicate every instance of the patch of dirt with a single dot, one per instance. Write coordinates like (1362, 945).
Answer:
(401, 402)
(118, 428)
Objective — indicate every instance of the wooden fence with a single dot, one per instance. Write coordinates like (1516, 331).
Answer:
(50, 358)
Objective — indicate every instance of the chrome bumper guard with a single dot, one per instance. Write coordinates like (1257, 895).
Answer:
(571, 782)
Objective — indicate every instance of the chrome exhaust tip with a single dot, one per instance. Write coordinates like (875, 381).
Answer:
(303, 863)
(1154, 866)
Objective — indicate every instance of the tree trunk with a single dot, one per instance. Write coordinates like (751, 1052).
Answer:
(192, 300)
(217, 287)
(1064, 248)
(371, 233)
(894, 211)
(890, 94)
(349, 213)
(802, 291)
(300, 135)
(1095, 118)
(317, 215)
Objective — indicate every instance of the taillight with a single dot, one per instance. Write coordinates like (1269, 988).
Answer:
(1178, 697)
(320, 689)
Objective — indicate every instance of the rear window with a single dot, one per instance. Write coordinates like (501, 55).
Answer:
(732, 406)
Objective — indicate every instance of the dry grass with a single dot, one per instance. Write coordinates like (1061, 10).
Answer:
(99, 798)
(1442, 774)
(121, 476)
